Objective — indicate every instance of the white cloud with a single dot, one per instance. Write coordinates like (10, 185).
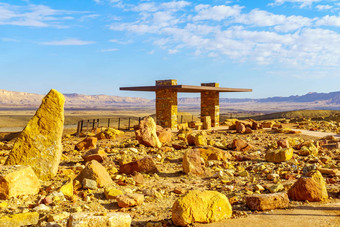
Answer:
(68, 42)
(324, 7)
(328, 21)
(302, 3)
(33, 16)
(109, 50)
(217, 13)
(226, 31)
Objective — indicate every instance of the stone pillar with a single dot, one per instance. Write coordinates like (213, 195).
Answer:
(210, 104)
(166, 104)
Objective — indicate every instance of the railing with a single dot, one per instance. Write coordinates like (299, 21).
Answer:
(119, 123)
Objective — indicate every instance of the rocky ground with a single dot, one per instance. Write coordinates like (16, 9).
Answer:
(238, 162)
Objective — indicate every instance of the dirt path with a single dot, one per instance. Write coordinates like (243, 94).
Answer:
(317, 133)
(301, 216)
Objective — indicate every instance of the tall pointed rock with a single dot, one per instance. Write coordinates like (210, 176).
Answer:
(39, 144)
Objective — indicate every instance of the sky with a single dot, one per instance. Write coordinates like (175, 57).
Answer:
(275, 47)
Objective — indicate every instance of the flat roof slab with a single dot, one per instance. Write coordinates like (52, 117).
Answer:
(185, 88)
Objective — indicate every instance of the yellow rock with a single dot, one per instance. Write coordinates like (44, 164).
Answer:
(87, 219)
(279, 155)
(39, 144)
(200, 140)
(111, 192)
(309, 149)
(30, 218)
(18, 180)
(202, 207)
(67, 189)
(3, 204)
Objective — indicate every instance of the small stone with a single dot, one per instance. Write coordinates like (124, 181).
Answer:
(201, 207)
(84, 219)
(248, 130)
(87, 143)
(276, 188)
(240, 127)
(39, 144)
(89, 184)
(42, 208)
(58, 217)
(192, 163)
(212, 153)
(67, 189)
(111, 192)
(311, 188)
(267, 201)
(308, 149)
(129, 200)
(18, 180)
(138, 178)
(279, 155)
(95, 171)
(200, 140)
(95, 154)
(164, 135)
(240, 145)
(179, 191)
(284, 143)
(23, 219)
(144, 165)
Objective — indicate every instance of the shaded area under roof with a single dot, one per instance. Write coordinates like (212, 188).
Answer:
(185, 88)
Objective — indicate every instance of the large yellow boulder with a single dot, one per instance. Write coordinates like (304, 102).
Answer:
(146, 134)
(279, 155)
(39, 144)
(201, 207)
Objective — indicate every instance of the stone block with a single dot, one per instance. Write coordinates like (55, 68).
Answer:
(24, 219)
(18, 180)
(95, 171)
(87, 219)
(267, 201)
(144, 165)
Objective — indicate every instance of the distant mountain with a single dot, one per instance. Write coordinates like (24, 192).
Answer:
(74, 100)
(24, 99)
(332, 98)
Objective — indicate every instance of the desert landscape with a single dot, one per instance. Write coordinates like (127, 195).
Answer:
(274, 169)
(149, 113)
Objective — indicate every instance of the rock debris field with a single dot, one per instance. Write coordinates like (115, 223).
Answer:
(156, 177)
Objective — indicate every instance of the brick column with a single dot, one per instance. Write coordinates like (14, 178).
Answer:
(166, 104)
(210, 104)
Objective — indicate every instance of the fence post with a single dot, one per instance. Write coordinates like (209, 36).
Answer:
(108, 123)
(78, 128)
(87, 127)
(139, 121)
(129, 124)
(118, 123)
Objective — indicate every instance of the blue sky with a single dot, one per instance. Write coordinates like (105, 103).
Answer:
(275, 47)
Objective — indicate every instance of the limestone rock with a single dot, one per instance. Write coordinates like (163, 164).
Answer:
(212, 153)
(95, 171)
(164, 135)
(129, 200)
(279, 155)
(112, 219)
(39, 144)
(29, 218)
(284, 143)
(267, 124)
(144, 165)
(95, 154)
(200, 140)
(191, 139)
(308, 149)
(87, 143)
(18, 180)
(192, 163)
(146, 134)
(111, 192)
(267, 201)
(201, 207)
(240, 127)
(240, 145)
(311, 188)
(206, 122)
(67, 189)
